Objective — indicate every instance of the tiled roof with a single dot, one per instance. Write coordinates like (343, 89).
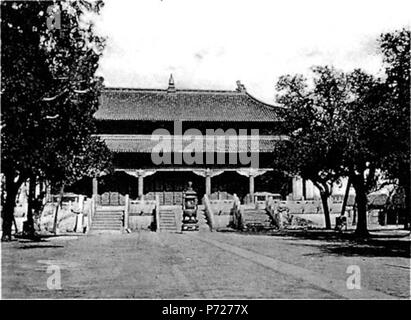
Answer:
(145, 143)
(184, 105)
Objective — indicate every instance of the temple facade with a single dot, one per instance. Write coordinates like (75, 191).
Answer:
(221, 141)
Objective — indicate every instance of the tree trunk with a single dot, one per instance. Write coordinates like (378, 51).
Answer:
(361, 201)
(9, 205)
(407, 213)
(347, 193)
(325, 192)
(29, 226)
(324, 200)
(57, 209)
(404, 183)
(354, 216)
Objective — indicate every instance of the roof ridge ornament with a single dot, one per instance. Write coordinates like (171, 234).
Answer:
(240, 87)
(171, 86)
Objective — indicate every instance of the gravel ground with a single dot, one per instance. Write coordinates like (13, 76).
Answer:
(149, 265)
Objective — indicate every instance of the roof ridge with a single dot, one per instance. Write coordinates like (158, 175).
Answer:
(152, 104)
(208, 91)
(121, 89)
(272, 106)
(106, 89)
(212, 91)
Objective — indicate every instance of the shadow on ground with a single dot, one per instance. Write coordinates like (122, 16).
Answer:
(25, 247)
(369, 249)
(381, 243)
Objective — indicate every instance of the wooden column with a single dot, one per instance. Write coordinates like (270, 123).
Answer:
(140, 184)
(48, 192)
(94, 200)
(126, 209)
(79, 222)
(208, 182)
(309, 190)
(252, 186)
(297, 188)
(95, 186)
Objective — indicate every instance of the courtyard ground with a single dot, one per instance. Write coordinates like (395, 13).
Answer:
(209, 265)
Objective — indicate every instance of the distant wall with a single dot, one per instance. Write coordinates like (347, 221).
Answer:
(311, 206)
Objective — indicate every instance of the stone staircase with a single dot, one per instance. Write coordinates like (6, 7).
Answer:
(256, 219)
(108, 219)
(168, 221)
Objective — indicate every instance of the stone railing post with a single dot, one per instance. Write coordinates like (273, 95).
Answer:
(208, 182)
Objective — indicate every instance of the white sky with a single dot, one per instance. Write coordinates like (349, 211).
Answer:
(209, 44)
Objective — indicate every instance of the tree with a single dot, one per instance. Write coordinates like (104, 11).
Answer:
(362, 146)
(332, 132)
(395, 117)
(49, 95)
(313, 117)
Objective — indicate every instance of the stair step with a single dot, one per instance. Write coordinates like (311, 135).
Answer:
(104, 216)
(105, 228)
(107, 222)
(167, 221)
(108, 212)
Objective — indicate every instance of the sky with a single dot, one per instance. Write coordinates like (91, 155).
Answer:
(210, 44)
